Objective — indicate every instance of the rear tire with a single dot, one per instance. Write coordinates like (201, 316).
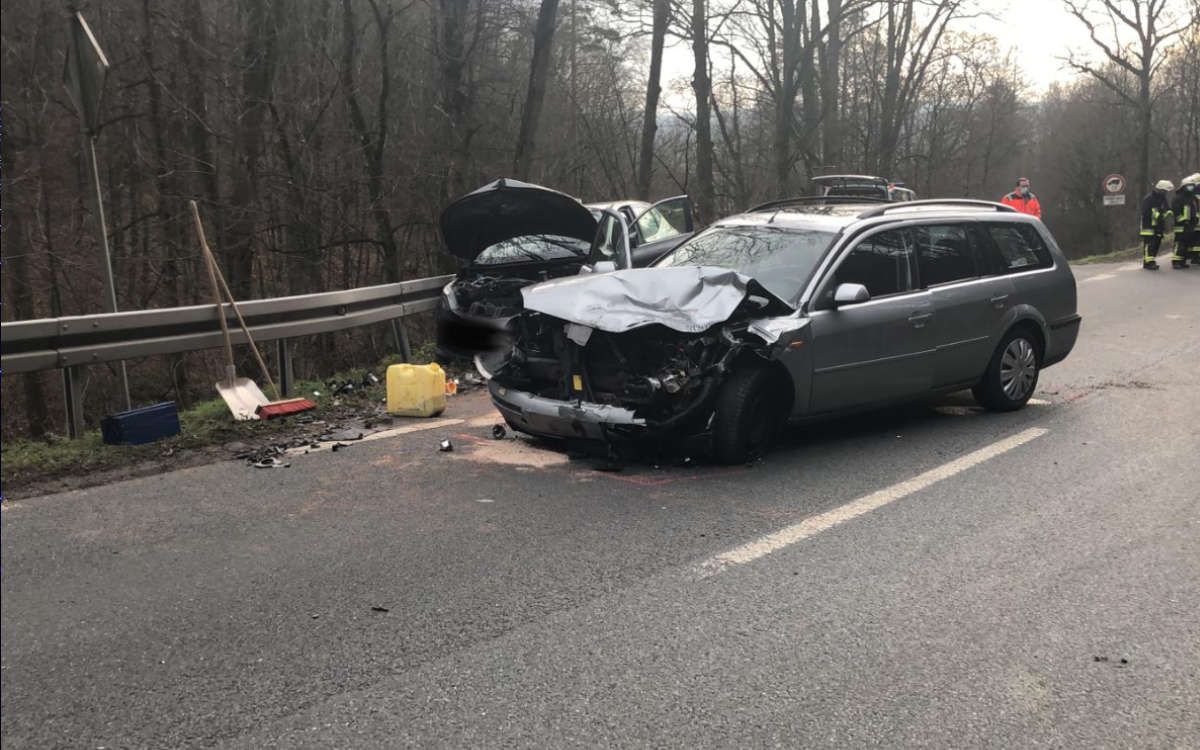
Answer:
(1012, 374)
(750, 410)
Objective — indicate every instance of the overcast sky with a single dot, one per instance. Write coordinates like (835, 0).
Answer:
(1040, 31)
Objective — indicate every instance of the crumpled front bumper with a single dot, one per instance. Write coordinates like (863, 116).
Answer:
(550, 417)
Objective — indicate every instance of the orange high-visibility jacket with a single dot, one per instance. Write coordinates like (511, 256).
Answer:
(1025, 205)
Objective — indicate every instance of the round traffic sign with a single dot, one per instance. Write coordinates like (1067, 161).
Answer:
(1114, 184)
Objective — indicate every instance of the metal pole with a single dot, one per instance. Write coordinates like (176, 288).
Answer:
(401, 335)
(285, 366)
(110, 289)
(73, 400)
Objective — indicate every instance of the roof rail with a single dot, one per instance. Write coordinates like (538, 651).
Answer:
(803, 200)
(881, 210)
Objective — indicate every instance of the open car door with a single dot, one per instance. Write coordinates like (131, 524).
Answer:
(660, 228)
(610, 249)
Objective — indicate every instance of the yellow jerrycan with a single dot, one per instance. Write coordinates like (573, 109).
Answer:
(416, 390)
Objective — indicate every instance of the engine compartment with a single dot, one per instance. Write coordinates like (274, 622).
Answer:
(665, 376)
(488, 293)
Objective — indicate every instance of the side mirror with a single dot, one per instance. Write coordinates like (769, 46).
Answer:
(850, 294)
(604, 266)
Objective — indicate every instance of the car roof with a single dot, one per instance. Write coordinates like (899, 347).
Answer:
(636, 205)
(835, 215)
(858, 178)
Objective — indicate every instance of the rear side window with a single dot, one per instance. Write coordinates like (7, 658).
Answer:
(882, 263)
(1020, 248)
(945, 253)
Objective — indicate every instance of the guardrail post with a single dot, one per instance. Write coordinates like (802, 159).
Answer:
(401, 335)
(73, 400)
(285, 367)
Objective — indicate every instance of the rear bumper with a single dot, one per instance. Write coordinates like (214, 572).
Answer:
(548, 417)
(1063, 334)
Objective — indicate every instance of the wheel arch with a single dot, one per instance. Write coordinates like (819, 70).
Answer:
(1028, 317)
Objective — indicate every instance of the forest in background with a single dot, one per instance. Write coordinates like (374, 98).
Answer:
(323, 137)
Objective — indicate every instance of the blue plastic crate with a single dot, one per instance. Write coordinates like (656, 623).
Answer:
(144, 425)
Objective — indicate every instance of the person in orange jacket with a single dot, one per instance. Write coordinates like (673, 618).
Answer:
(1023, 199)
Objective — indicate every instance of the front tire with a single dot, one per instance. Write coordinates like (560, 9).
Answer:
(1012, 374)
(750, 411)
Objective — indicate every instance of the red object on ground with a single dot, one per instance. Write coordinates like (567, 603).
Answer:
(284, 408)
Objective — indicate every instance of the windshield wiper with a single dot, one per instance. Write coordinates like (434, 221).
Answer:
(566, 246)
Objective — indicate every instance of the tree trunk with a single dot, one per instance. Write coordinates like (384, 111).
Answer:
(1145, 121)
(199, 140)
(455, 100)
(662, 9)
(702, 86)
(785, 101)
(539, 71)
(258, 58)
(831, 57)
(372, 143)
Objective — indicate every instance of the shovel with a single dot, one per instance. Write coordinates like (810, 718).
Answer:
(241, 395)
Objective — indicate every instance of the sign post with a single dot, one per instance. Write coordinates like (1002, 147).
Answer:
(86, 69)
(1114, 190)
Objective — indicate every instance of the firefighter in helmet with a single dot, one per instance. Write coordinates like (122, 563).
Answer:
(1155, 212)
(1186, 208)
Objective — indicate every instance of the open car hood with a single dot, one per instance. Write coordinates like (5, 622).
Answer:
(689, 299)
(505, 209)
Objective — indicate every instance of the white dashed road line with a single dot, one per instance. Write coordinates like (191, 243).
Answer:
(769, 543)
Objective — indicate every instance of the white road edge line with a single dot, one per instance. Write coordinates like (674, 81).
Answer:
(789, 535)
(1099, 277)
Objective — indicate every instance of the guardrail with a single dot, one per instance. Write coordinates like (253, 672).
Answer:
(72, 343)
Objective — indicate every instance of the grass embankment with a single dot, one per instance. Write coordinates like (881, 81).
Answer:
(206, 425)
(1116, 256)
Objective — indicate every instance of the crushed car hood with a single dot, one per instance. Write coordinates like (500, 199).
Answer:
(505, 209)
(689, 299)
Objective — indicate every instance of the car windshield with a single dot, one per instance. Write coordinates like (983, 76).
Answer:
(781, 259)
(533, 247)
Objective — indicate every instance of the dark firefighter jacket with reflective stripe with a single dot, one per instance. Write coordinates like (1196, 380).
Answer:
(1155, 211)
(1186, 208)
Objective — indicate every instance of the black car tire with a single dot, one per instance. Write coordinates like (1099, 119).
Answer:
(1023, 349)
(749, 415)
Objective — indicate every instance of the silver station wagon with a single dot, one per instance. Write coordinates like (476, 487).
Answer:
(795, 310)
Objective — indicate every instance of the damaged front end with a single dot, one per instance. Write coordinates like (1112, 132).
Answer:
(571, 378)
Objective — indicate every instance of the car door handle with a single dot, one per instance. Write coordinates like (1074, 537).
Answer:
(999, 301)
(919, 319)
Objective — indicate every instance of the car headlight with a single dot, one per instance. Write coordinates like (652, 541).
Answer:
(448, 295)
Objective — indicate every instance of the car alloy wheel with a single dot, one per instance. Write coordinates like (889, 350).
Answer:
(1018, 368)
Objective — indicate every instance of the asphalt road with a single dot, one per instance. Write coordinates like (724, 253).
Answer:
(931, 576)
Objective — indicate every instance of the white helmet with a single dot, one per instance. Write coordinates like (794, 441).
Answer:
(1164, 185)
(1192, 179)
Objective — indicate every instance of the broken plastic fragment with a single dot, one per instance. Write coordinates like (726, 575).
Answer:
(446, 446)
(498, 432)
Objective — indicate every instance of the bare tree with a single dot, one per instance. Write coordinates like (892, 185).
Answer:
(911, 44)
(539, 71)
(658, 34)
(372, 139)
(702, 87)
(1152, 25)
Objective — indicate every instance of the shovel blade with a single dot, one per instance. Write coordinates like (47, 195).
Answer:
(243, 397)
